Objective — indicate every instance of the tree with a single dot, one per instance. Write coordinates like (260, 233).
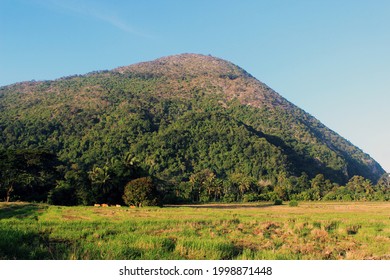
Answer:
(302, 183)
(241, 183)
(205, 186)
(384, 183)
(141, 192)
(360, 187)
(100, 180)
(283, 187)
(319, 187)
(99, 176)
(78, 179)
(27, 174)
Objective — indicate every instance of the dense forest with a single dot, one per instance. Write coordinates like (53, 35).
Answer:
(186, 128)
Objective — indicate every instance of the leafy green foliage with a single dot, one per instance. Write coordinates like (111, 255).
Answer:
(141, 192)
(293, 203)
(278, 202)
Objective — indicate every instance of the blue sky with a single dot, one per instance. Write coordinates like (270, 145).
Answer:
(331, 58)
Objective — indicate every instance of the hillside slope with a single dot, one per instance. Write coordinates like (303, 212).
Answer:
(177, 116)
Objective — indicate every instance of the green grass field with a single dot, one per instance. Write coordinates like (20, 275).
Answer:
(318, 230)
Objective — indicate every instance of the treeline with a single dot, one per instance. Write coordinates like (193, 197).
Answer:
(38, 175)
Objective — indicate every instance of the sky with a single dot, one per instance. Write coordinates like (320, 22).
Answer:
(329, 57)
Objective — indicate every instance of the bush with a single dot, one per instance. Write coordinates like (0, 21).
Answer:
(228, 198)
(330, 226)
(278, 202)
(353, 229)
(141, 192)
(293, 203)
(250, 197)
(347, 197)
(264, 197)
(330, 196)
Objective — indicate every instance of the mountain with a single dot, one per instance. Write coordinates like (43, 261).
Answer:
(177, 116)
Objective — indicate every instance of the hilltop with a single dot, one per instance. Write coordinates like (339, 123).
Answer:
(180, 119)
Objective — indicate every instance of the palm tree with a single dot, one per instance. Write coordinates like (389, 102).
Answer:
(100, 178)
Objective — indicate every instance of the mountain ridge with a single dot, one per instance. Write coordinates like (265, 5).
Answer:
(195, 65)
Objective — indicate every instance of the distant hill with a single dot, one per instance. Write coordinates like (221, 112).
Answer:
(177, 116)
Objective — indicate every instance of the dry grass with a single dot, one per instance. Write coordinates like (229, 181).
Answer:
(217, 231)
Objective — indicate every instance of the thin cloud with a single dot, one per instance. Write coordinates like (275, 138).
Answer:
(90, 9)
(119, 24)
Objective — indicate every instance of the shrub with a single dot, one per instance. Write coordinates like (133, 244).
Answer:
(229, 198)
(317, 225)
(347, 197)
(250, 197)
(293, 203)
(329, 226)
(330, 196)
(278, 202)
(264, 197)
(353, 229)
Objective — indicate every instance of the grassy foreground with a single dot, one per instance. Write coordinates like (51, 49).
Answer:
(347, 230)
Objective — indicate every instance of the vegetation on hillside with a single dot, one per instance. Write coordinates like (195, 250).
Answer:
(202, 128)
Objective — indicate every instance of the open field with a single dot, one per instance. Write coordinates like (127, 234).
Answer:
(317, 230)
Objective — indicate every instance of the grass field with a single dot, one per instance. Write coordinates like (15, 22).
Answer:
(318, 230)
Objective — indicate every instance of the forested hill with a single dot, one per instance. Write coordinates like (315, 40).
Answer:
(174, 118)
